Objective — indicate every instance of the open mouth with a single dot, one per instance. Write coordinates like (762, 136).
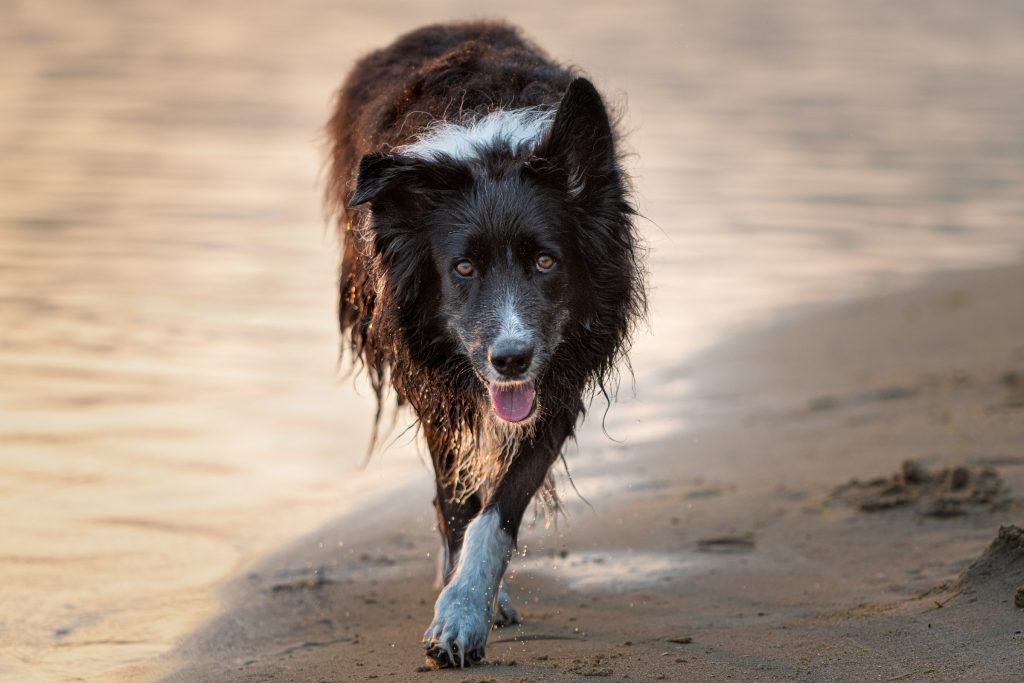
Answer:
(512, 402)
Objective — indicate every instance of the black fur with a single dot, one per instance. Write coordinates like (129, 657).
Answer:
(428, 332)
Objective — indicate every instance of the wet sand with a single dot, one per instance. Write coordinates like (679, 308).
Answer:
(726, 553)
(170, 410)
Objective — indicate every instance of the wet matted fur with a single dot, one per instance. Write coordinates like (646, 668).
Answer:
(466, 144)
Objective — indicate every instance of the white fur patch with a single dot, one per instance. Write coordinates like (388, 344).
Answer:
(464, 610)
(512, 327)
(486, 551)
(517, 129)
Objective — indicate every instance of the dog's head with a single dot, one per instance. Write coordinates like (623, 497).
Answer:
(498, 233)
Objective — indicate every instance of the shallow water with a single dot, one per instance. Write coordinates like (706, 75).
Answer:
(169, 405)
(614, 571)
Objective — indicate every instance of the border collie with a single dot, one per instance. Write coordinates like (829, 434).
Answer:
(490, 276)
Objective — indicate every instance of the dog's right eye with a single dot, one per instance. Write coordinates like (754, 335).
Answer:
(464, 267)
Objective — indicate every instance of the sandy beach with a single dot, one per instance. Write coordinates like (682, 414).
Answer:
(734, 552)
(833, 199)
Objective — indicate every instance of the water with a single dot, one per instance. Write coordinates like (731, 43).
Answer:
(169, 406)
(614, 571)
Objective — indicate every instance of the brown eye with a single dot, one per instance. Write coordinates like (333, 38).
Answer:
(464, 267)
(545, 262)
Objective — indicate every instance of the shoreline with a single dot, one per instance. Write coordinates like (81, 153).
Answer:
(708, 520)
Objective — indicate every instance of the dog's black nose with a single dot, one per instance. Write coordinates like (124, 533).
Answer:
(511, 359)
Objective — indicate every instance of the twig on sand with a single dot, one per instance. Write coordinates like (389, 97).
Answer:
(939, 604)
(900, 677)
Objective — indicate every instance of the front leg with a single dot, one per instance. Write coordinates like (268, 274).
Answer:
(465, 608)
(452, 521)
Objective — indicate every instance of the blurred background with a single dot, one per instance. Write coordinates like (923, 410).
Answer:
(171, 405)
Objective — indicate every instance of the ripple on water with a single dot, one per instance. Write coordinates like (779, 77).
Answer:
(611, 570)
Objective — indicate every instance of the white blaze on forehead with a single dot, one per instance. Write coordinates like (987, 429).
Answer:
(518, 129)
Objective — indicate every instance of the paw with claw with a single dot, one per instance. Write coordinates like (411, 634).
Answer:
(458, 634)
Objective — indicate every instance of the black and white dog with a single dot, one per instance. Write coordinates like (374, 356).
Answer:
(490, 276)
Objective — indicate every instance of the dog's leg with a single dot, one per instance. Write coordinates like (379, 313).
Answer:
(505, 613)
(453, 516)
(465, 608)
(452, 520)
(455, 507)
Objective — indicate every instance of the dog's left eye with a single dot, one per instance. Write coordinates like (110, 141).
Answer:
(545, 263)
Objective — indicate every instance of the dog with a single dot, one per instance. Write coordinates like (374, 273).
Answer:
(491, 276)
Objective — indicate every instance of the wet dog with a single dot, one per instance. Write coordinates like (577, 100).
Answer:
(490, 276)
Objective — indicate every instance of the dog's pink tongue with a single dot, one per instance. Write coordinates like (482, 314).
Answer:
(514, 402)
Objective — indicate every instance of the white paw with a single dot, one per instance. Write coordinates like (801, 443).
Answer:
(458, 634)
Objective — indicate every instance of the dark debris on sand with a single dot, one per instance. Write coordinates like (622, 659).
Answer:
(947, 492)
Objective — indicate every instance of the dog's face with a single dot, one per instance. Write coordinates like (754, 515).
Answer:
(498, 238)
(506, 258)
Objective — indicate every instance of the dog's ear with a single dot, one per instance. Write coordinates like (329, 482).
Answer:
(581, 144)
(382, 175)
(377, 172)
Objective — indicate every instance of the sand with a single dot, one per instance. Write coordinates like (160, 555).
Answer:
(723, 554)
